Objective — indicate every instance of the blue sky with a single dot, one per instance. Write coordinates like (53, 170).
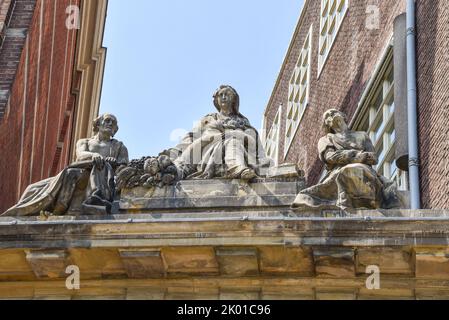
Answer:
(166, 58)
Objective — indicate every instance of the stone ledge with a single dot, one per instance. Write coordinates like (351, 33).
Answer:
(241, 288)
(212, 194)
(366, 228)
(242, 255)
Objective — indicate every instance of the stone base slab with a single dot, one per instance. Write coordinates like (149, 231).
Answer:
(213, 194)
(227, 255)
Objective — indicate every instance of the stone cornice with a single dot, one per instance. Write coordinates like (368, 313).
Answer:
(89, 67)
(365, 228)
(227, 255)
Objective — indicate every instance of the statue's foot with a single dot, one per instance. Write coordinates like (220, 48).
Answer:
(44, 215)
(95, 203)
(60, 209)
(248, 174)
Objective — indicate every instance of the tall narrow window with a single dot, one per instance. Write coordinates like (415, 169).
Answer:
(272, 139)
(298, 91)
(332, 15)
(378, 120)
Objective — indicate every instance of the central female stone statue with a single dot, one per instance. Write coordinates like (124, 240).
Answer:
(223, 144)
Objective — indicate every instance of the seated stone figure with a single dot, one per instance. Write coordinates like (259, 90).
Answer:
(222, 145)
(351, 181)
(87, 185)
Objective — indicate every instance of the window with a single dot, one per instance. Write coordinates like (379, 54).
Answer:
(272, 139)
(378, 121)
(332, 15)
(298, 91)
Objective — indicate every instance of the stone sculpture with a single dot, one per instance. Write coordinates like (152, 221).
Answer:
(87, 185)
(147, 172)
(351, 181)
(222, 145)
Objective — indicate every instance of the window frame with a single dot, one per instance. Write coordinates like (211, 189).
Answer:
(274, 140)
(323, 39)
(380, 119)
(302, 91)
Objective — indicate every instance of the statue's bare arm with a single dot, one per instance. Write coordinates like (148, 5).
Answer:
(340, 157)
(345, 157)
(82, 151)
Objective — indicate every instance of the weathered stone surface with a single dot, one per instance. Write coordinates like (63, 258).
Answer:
(335, 294)
(48, 264)
(287, 296)
(386, 294)
(432, 263)
(100, 293)
(389, 260)
(334, 262)
(238, 261)
(239, 294)
(145, 294)
(270, 192)
(431, 294)
(194, 260)
(17, 293)
(286, 260)
(52, 294)
(285, 170)
(13, 265)
(279, 292)
(192, 293)
(95, 263)
(239, 255)
(143, 263)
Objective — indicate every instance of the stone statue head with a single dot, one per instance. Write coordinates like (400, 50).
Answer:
(333, 118)
(106, 120)
(151, 166)
(227, 97)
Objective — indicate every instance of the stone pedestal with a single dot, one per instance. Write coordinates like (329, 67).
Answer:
(222, 239)
(213, 195)
(258, 254)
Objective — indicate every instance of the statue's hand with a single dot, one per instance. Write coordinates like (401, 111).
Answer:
(371, 158)
(97, 160)
(359, 157)
(367, 158)
(111, 160)
(218, 125)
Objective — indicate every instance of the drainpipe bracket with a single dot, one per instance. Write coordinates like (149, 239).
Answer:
(411, 31)
(413, 162)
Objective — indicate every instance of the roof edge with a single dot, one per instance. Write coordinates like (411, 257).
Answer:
(289, 49)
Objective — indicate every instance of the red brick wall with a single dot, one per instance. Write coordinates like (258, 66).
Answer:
(37, 115)
(13, 28)
(345, 76)
(433, 100)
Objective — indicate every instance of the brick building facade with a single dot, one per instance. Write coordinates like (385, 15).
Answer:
(51, 67)
(343, 55)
